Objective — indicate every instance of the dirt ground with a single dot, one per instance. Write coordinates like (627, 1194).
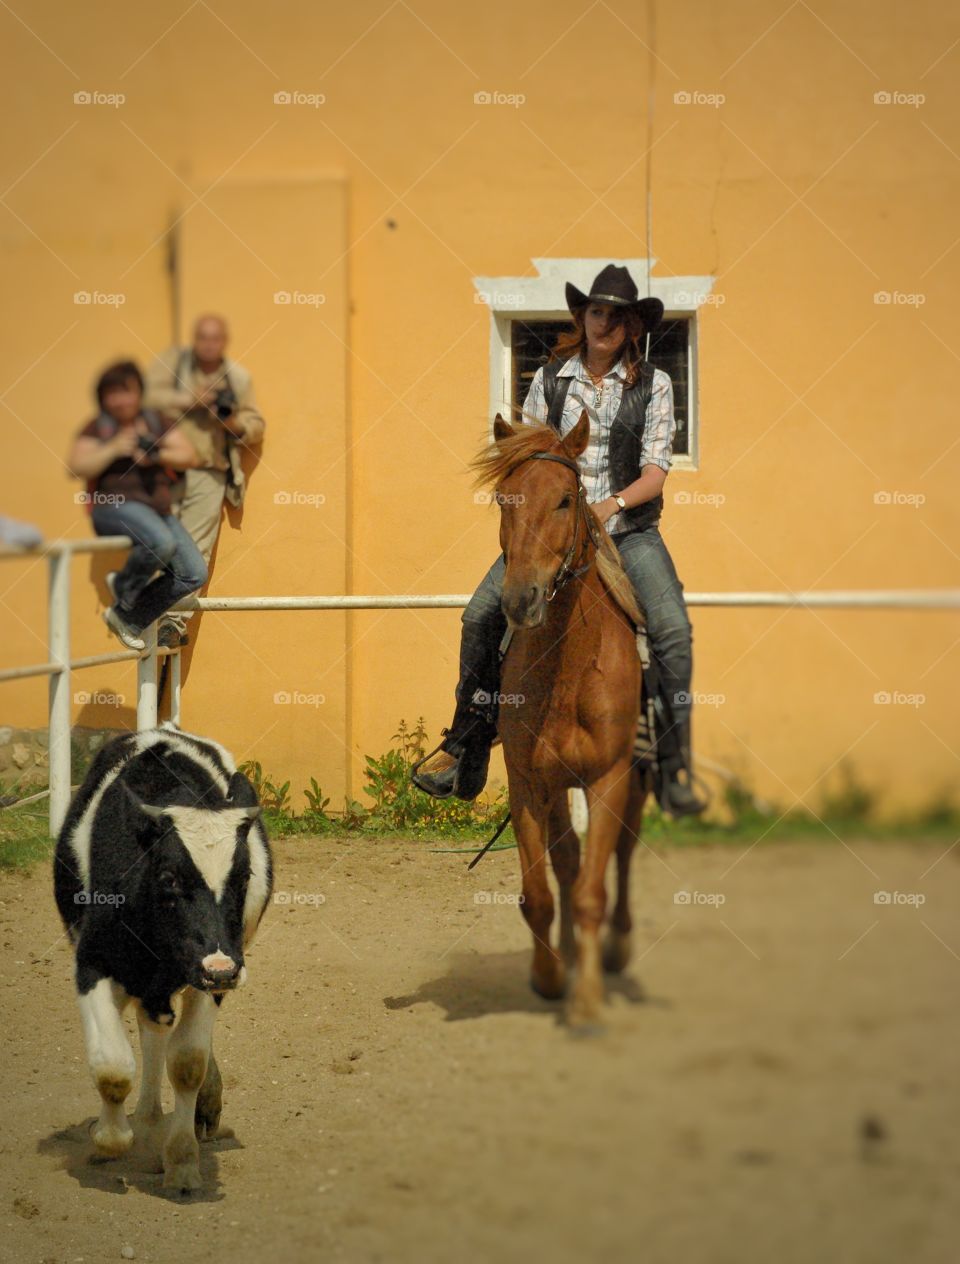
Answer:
(778, 1078)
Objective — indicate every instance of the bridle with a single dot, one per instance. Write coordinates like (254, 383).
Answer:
(567, 570)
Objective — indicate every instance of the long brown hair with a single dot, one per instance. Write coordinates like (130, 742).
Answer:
(574, 341)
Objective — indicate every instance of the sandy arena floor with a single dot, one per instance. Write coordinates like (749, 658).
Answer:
(778, 1081)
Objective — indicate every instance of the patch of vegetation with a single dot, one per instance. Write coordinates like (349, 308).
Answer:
(396, 809)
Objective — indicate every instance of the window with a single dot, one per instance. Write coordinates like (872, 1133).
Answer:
(527, 312)
(531, 341)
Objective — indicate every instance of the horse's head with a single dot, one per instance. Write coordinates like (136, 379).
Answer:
(542, 523)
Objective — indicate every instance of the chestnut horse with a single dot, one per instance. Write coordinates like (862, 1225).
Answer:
(572, 678)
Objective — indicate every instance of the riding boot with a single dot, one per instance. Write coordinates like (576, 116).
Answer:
(459, 764)
(676, 769)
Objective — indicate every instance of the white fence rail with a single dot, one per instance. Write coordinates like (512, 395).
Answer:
(60, 666)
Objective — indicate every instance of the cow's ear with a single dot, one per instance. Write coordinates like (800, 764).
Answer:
(241, 794)
(150, 810)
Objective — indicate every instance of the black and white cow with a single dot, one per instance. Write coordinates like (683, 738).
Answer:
(161, 874)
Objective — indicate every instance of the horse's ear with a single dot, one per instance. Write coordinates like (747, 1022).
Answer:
(501, 429)
(576, 441)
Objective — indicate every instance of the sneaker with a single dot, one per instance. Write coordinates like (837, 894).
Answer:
(170, 637)
(112, 586)
(122, 631)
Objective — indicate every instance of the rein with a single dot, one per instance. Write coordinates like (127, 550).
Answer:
(567, 570)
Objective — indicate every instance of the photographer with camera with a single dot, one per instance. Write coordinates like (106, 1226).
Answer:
(131, 459)
(210, 398)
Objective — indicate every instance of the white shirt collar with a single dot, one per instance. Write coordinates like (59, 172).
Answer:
(574, 367)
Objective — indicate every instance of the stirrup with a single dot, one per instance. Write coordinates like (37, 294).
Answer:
(441, 768)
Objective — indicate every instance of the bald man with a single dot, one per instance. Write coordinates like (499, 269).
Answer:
(212, 398)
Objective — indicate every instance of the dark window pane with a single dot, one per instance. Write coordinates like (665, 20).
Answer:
(531, 342)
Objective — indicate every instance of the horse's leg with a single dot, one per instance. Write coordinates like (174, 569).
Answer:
(607, 800)
(564, 847)
(616, 948)
(547, 975)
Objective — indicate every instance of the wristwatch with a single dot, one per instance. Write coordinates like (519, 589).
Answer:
(620, 501)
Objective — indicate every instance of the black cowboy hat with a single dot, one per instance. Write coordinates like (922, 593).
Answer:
(616, 285)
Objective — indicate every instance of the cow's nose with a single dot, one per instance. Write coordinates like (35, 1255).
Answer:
(220, 972)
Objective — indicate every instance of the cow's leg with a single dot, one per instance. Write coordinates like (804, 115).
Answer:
(110, 1058)
(209, 1101)
(148, 1122)
(607, 800)
(617, 945)
(547, 975)
(187, 1056)
(564, 846)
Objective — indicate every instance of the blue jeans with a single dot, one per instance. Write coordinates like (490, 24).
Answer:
(659, 594)
(161, 544)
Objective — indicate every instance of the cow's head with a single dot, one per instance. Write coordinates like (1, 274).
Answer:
(197, 861)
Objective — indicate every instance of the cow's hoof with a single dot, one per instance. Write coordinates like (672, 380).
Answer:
(111, 1140)
(181, 1163)
(616, 951)
(183, 1178)
(206, 1118)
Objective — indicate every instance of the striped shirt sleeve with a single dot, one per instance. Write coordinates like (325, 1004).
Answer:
(661, 424)
(535, 405)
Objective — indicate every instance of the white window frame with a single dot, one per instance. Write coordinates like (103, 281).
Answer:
(533, 298)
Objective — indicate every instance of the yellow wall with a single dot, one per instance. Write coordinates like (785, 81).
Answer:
(799, 195)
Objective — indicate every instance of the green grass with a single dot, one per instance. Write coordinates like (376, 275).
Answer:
(398, 810)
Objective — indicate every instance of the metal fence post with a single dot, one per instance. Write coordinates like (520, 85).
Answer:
(58, 714)
(174, 661)
(147, 682)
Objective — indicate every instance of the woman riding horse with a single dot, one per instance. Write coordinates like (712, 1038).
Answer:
(599, 367)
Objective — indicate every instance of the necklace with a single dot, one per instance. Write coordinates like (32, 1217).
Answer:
(599, 385)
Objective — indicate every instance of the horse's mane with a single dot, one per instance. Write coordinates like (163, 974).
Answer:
(502, 456)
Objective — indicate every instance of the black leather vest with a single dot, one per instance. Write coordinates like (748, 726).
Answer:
(626, 436)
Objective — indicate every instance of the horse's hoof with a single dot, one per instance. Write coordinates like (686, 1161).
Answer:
(616, 952)
(550, 989)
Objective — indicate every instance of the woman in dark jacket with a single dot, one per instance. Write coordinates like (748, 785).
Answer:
(599, 366)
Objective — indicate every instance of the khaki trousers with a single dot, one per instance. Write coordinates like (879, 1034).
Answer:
(199, 508)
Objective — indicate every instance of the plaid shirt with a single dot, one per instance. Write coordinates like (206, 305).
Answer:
(658, 432)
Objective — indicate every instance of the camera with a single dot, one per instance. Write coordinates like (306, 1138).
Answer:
(225, 402)
(146, 443)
